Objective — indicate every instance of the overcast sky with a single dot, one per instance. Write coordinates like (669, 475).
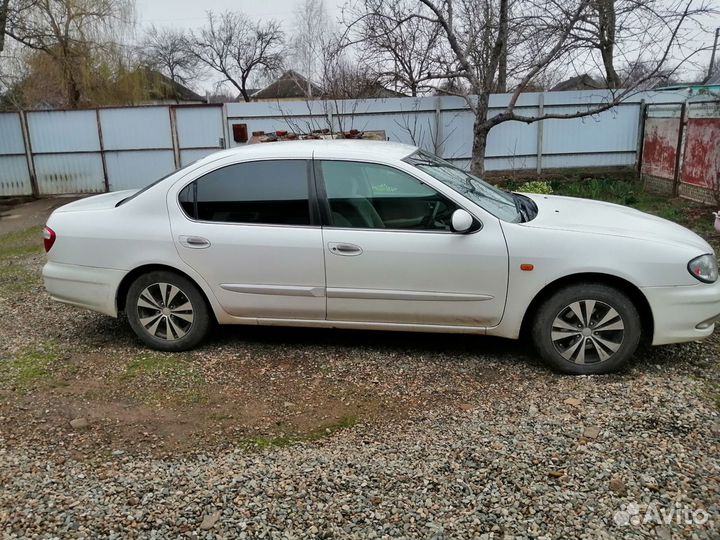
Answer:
(189, 13)
(192, 14)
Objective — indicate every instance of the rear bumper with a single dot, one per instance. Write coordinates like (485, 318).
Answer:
(683, 313)
(84, 286)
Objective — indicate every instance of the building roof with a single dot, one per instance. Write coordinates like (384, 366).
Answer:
(581, 82)
(161, 87)
(250, 92)
(289, 85)
(376, 90)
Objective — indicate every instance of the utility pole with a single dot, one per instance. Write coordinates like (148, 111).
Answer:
(711, 67)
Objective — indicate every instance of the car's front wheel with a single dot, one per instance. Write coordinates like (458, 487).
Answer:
(587, 328)
(167, 311)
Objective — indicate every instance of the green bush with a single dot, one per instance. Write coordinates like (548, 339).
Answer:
(536, 186)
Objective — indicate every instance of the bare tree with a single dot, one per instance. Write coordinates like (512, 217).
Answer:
(633, 33)
(643, 75)
(68, 31)
(239, 49)
(538, 36)
(405, 47)
(311, 39)
(167, 50)
(341, 76)
(3, 22)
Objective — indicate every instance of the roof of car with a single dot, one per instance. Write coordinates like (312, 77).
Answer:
(322, 149)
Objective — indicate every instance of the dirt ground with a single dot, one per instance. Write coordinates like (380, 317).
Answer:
(19, 217)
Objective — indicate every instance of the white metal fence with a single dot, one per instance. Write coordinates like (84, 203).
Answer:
(96, 150)
(88, 151)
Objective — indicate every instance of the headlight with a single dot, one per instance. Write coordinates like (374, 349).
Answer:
(704, 268)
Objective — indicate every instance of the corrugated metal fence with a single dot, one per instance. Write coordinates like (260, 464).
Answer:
(96, 150)
(88, 151)
(444, 125)
(681, 149)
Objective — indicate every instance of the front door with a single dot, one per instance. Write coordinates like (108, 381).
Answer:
(247, 229)
(391, 257)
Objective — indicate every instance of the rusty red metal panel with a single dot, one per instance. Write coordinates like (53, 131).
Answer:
(660, 147)
(701, 161)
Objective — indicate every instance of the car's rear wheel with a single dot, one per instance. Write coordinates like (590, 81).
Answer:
(587, 328)
(167, 311)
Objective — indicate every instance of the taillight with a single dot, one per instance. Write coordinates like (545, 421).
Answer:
(48, 238)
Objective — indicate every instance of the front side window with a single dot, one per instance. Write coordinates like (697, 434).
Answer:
(371, 196)
(271, 192)
(499, 203)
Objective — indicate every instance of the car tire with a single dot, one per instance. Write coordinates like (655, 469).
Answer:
(167, 311)
(587, 328)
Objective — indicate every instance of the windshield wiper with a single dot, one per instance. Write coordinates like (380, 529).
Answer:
(520, 207)
(526, 207)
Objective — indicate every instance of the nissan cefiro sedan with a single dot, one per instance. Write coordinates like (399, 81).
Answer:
(381, 236)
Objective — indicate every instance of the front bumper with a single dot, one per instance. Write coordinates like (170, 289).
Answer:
(84, 286)
(683, 313)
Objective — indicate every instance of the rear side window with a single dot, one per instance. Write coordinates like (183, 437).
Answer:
(272, 192)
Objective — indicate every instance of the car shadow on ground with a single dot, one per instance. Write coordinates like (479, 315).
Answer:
(101, 331)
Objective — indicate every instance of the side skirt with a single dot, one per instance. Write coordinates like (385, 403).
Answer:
(358, 325)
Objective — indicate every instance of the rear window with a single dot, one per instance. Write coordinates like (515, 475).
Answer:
(156, 182)
(273, 192)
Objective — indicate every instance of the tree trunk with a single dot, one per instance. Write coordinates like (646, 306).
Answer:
(72, 87)
(73, 93)
(480, 136)
(481, 129)
(243, 91)
(3, 21)
(606, 34)
(503, 36)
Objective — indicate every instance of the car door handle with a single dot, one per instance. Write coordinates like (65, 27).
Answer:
(341, 248)
(196, 242)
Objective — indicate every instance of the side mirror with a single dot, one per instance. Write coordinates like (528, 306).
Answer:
(462, 221)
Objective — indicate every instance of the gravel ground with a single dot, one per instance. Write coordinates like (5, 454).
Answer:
(287, 433)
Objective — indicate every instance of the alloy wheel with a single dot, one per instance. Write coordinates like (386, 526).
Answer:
(165, 311)
(587, 332)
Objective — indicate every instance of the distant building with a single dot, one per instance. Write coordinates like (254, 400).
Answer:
(375, 90)
(250, 92)
(157, 89)
(290, 86)
(581, 82)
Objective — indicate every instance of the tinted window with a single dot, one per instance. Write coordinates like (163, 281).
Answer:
(366, 195)
(271, 192)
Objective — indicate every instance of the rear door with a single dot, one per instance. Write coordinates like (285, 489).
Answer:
(248, 229)
(391, 257)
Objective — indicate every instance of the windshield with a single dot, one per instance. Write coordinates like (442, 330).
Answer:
(500, 204)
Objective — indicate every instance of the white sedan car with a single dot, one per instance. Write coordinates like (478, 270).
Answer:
(383, 236)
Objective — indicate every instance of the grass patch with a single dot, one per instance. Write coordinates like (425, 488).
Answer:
(320, 433)
(15, 247)
(28, 366)
(16, 277)
(21, 243)
(162, 378)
